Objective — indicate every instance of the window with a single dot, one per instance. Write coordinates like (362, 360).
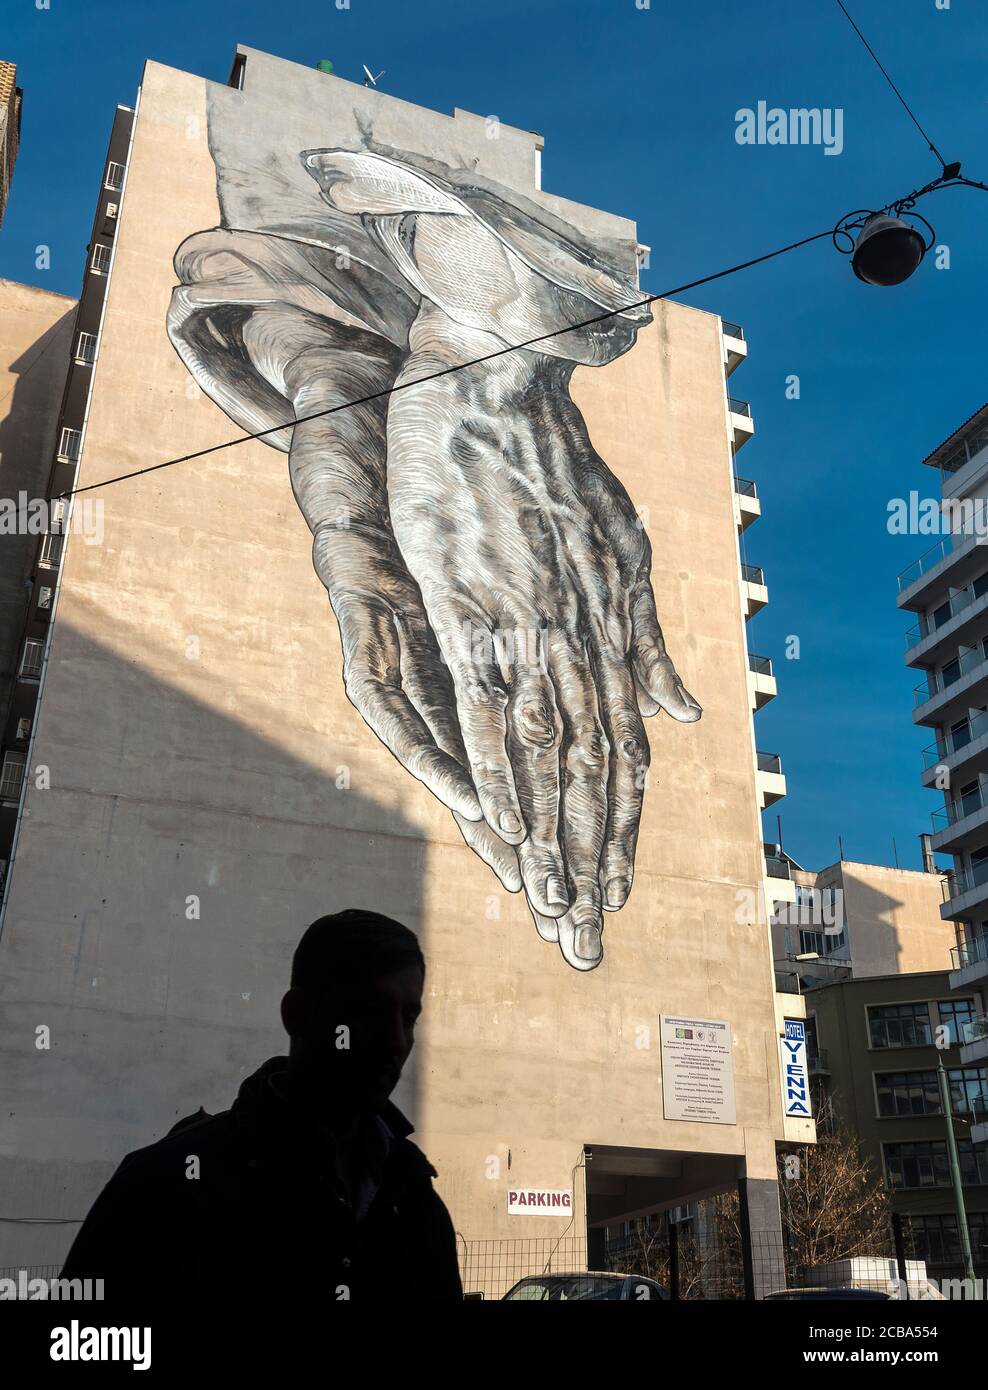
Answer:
(924, 1164)
(12, 775)
(918, 1092)
(899, 1025)
(32, 658)
(101, 258)
(969, 800)
(960, 734)
(69, 444)
(51, 548)
(85, 349)
(940, 615)
(935, 1238)
(954, 1013)
(981, 585)
(115, 176)
(811, 943)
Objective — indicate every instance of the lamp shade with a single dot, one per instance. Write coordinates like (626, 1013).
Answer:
(887, 251)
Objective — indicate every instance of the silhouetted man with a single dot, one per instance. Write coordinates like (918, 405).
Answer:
(309, 1181)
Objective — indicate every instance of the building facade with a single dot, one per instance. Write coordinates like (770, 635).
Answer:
(947, 590)
(873, 1060)
(219, 755)
(852, 921)
(11, 98)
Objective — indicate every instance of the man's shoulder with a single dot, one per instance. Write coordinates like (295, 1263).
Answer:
(193, 1136)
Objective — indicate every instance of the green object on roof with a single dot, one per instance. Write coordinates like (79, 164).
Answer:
(324, 65)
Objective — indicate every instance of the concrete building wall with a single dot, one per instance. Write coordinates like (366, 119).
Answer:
(892, 918)
(212, 789)
(35, 342)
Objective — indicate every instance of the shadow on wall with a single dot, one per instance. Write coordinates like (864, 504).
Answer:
(28, 421)
(160, 886)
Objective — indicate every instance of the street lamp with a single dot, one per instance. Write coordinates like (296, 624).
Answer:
(886, 246)
(888, 250)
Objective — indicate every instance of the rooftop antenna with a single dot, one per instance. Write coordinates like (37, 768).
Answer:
(371, 80)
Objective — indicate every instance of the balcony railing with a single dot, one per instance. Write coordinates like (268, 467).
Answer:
(935, 684)
(969, 952)
(968, 449)
(746, 487)
(769, 762)
(818, 1061)
(925, 563)
(954, 742)
(732, 330)
(777, 867)
(753, 574)
(958, 808)
(979, 1108)
(975, 1029)
(761, 665)
(954, 605)
(737, 407)
(958, 881)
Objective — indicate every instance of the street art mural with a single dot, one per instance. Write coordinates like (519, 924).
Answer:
(488, 573)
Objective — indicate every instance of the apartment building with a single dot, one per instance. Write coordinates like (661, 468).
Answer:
(11, 98)
(852, 921)
(873, 1055)
(206, 787)
(947, 591)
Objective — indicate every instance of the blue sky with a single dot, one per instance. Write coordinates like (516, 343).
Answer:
(637, 107)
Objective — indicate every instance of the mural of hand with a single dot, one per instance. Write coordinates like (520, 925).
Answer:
(393, 671)
(512, 526)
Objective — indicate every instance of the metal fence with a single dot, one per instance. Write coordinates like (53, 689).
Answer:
(491, 1267)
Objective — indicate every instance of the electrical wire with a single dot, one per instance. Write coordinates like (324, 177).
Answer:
(909, 111)
(446, 371)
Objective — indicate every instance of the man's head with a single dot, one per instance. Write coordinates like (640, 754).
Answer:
(356, 992)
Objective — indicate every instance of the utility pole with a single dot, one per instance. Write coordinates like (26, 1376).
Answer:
(955, 1172)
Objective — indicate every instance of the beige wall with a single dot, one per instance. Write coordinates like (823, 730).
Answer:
(211, 767)
(893, 917)
(35, 340)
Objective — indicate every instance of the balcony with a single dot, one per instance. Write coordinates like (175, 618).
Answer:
(778, 884)
(963, 613)
(747, 507)
(818, 1062)
(974, 1041)
(952, 563)
(754, 593)
(969, 963)
(956, 750)
(769, 780)
(963, 890)
(735, 347)
(741, 421)
(761, 681)
(961, 823)
(944, 697)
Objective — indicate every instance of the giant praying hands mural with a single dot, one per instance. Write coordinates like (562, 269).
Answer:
(488, 572)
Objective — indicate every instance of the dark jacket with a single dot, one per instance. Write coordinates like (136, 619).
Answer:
(266, 1213)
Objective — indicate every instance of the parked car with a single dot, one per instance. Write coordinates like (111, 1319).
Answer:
(851, 1294)
(591, 1287)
